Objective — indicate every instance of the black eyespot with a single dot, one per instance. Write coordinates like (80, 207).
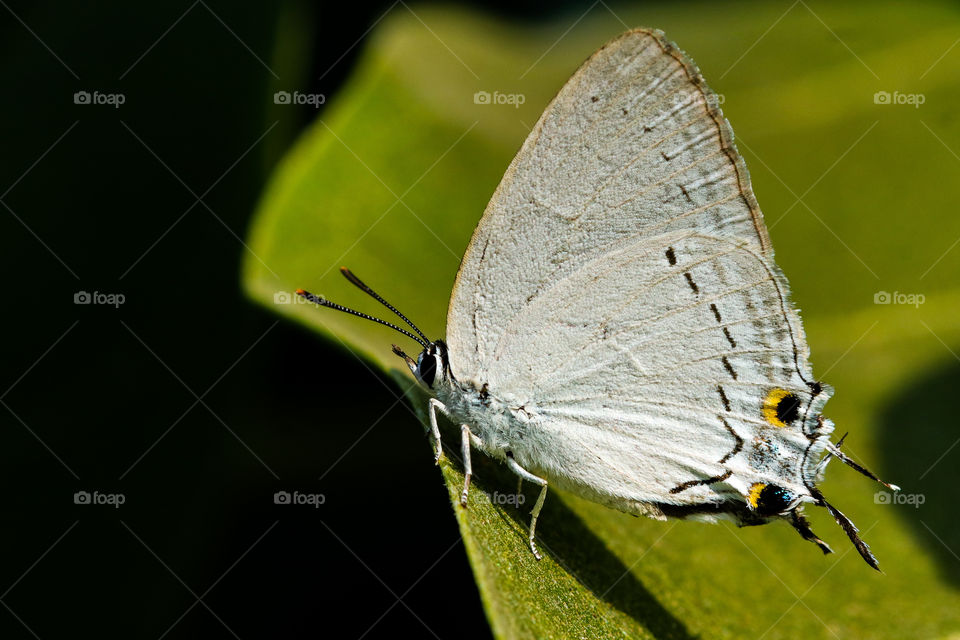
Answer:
(773, 500)
(427, 369)
(788, 409)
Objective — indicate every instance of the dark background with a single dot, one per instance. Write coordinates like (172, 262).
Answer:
(189, 401)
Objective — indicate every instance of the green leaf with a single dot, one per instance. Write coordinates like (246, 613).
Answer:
(395, 176)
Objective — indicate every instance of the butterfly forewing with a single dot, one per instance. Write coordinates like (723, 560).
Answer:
(632, 146)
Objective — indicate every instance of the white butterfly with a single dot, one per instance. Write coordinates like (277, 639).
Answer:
(618, 327)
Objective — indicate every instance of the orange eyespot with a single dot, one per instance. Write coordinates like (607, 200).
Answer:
(754, 496)
(781, 407)
(769, 499)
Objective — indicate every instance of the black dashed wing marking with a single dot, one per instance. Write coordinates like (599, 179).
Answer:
(704, 482)
(738, 445)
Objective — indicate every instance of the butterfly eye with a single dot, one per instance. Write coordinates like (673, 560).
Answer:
(427, 368)
(781, 407)
(769, 499)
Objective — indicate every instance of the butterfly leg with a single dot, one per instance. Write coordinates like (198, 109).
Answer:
(526, 475)
(432, 407)
(465, 439)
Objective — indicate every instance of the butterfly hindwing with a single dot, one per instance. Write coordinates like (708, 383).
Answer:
(649, 369)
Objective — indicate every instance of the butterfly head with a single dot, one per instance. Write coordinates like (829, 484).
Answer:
(432, 366)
